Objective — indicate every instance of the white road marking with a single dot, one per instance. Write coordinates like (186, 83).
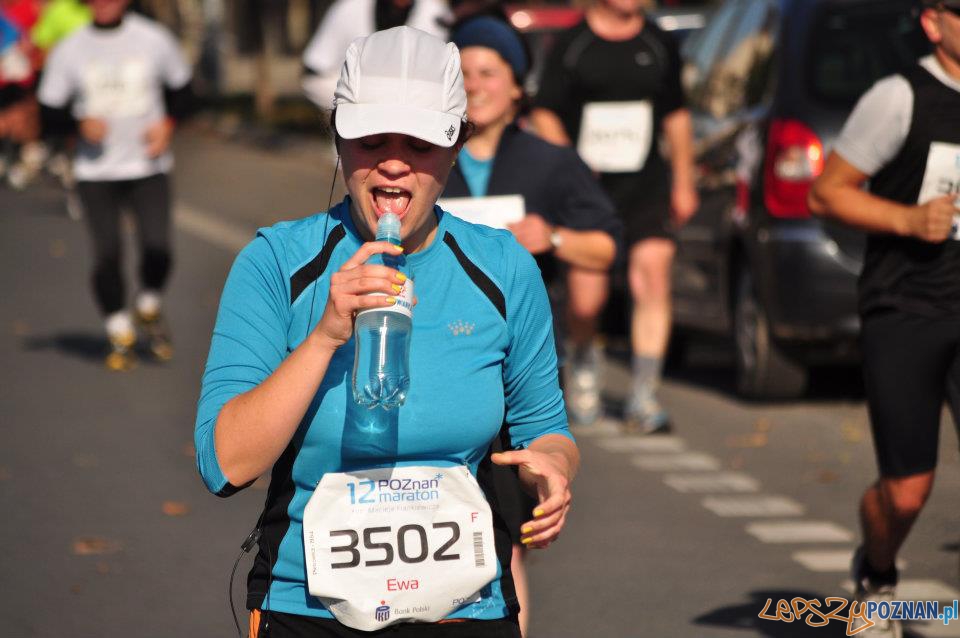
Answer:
(211, 229)
(643, 444)
(602, 428)
(800, 532)
(753, 506)
(837, 560)
(712, 483)
(673, 462)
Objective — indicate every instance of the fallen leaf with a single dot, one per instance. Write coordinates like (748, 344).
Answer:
(95, 545)
(85, 460)
(762, 424)
(58, 249)
(828, 476)
(852, 433)
(755, 440)
(175, 508)
(21, 328)
(76, 589)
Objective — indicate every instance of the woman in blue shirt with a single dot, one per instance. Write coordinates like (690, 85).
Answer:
(360, 531)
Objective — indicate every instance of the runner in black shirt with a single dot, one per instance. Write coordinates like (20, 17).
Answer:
(610, 86)
(904, 137)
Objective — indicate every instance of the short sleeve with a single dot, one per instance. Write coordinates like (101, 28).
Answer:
(878, 126)
(534, 403)
(57, 84)
(249, 343)
(556, 81)
(673, 96)
(175, 71)
(325, 52)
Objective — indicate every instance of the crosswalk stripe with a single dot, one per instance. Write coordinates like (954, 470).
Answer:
(752, 506)
(674, 462)
(831, 560)
(643, 444)
(799, 532)
(602, 428)
(211, 229)
(712, 482)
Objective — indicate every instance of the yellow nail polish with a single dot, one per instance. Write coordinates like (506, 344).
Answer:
(526, 541)
(538, 512)
(401, 277)
(397, 288)
(391, 300)
(399, 249)
(526, 530)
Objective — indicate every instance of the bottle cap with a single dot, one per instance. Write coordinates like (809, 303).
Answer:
(388, 228)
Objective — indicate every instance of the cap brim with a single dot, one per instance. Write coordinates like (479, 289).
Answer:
(359, 120)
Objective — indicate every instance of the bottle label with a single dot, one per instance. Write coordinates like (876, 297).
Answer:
(404, 305)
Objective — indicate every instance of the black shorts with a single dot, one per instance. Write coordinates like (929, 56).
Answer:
(294, 626)
(643, 203)
(910, 367)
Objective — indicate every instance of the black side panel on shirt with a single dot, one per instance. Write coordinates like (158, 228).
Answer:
(501, 533)
(179, 103)
(910, 274)
(484, 283)
(312, 270)
(274, 526)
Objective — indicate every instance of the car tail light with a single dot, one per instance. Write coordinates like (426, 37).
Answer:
(794, 159)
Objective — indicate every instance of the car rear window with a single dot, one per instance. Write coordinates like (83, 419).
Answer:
(854, 45)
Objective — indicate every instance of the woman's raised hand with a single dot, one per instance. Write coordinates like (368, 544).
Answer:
(350, 289)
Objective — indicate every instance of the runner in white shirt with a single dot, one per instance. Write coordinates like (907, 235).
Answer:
(119, 82)
(347, 20)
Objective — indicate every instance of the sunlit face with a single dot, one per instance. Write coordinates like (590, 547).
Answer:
(108, 11)
(948, 28)
(492, 92)
(399, 174)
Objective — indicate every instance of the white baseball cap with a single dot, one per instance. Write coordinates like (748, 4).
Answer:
(401, 80)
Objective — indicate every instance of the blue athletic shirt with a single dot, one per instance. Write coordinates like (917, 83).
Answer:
(482, 357)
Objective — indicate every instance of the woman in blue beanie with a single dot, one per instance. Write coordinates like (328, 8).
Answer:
(568, 220)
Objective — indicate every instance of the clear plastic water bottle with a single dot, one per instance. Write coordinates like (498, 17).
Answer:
(381, 364)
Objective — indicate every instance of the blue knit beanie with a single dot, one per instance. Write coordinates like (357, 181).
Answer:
(485, 31)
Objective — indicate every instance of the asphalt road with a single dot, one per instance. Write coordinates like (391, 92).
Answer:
(109, 531)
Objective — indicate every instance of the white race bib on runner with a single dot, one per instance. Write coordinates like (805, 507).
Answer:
(615, 137)
(496, 211)
(398, 544)
(942, 177)
(117, 90)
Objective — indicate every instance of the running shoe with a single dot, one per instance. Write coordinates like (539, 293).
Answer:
(121, 357)
(154, 328)
(645, 415)
(867, 591)
(584, 404)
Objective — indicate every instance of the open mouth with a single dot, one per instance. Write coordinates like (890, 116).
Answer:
(390, 199)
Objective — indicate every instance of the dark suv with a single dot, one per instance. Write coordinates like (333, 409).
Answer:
(770, 84)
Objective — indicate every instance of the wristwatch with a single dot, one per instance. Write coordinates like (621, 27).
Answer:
(556, 239)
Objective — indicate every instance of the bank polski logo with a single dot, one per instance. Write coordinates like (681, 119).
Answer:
(383, 612)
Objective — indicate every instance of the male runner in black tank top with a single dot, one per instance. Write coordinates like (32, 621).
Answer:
(904, 137)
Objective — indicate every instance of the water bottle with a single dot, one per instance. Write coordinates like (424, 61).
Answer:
(381, 364)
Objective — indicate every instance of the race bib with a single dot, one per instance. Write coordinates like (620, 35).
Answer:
(401, 544)
(117, 90)
(496, 211)
(942, 177)
(615, 137)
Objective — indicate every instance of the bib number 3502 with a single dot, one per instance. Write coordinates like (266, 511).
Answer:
(398, 544)
(403, 544)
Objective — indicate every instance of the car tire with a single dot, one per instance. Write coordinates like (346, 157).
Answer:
(763, 371)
